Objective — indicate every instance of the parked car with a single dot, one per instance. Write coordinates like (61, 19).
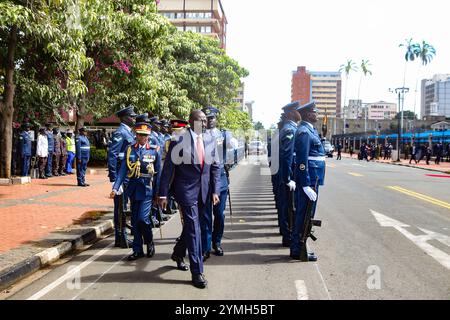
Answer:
(329, 149)
(256, 147)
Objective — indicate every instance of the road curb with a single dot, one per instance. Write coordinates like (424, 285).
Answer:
(42, 259)
(407, 165)
(411, 166)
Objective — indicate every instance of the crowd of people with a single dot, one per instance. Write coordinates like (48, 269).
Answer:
(53, 155)
(413, 151)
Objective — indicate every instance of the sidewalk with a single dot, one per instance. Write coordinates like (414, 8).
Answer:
(443, 167)
(44, 220)
(29, 212)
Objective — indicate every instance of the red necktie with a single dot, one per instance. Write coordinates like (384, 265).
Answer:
(200, 151)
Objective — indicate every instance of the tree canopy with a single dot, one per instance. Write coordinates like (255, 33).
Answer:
(94, 56)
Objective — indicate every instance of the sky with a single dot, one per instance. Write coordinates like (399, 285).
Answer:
(271, 38)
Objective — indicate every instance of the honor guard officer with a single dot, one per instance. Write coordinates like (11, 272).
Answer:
(212, 233)
(286, 183)
(274, 164)
(177, 128)
(310, 165)
(120, 140)
(141, 166)
(83, 150)
(51, 148)
(25, 149)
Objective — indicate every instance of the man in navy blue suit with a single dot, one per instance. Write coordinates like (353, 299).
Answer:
(193, 168)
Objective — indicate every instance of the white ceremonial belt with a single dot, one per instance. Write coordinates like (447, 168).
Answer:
(85, 148)
(316, 158)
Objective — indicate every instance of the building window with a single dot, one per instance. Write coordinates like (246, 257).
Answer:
(198, 15)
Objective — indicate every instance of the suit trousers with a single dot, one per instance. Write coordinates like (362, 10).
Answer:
(141, 223)
(190, 238)
(301, 202)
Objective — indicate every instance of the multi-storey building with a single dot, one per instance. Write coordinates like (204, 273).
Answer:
(436, 96)
(202, 16)
(322, 87)
(381, 110)
(354, 109)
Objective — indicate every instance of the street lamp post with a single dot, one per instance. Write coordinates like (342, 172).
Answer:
(401, 99)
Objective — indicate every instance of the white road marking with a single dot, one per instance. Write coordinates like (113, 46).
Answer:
(69, 274)
(96, 280)
(420, 240)
(302, 292)
(323, 281)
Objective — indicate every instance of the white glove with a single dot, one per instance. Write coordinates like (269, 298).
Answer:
(291, 185)
(234, 143)
(312, 195)
(118, 192)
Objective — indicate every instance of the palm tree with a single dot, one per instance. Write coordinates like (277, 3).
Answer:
(412, 52)
(365, 71)
(347, 68)
(425, 52)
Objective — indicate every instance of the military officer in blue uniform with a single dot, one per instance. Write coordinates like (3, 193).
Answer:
(83, 151)
(157, 138)
(310, 165)
(51, 149)
(120, 140)
(25, 149)
(274, 164)
(286, 184)
(212, 232)
(141, 166)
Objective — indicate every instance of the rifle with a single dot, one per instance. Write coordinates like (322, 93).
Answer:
(291, 210)
(227, 173)
(308, 223)
(122, 222)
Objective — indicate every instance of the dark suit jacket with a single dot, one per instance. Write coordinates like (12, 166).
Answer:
(182, 169)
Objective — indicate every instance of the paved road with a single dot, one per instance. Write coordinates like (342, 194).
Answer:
(370, 246)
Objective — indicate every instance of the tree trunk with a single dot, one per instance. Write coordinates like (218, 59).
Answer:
(7, 108)
(81, 115)
(81, 105)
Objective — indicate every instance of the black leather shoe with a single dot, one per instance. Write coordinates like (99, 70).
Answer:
(206, 256)
(155, 222)
(286, 243)
(312, 257)
(150, 249)
(295, 256)
(180, 263)
(135, 256)
(199, 281)
(218, 251)
(86, 185)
